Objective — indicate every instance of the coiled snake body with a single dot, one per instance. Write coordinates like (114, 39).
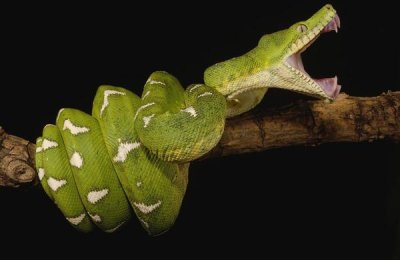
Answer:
(134, 153)
(131, 153)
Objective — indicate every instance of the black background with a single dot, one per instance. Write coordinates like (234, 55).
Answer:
(336, 200)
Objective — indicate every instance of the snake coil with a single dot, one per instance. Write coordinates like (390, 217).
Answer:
(132, 153)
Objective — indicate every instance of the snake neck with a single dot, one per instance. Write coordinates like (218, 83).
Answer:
(244, 93)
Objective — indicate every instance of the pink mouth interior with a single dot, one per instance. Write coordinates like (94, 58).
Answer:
(329, 85)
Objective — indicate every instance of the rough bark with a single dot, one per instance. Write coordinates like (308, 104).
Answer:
(348, 119)
(16, 161)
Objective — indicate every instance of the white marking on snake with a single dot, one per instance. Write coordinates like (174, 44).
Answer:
(124, 149)
(55, 184)
(96, 218)
(96, 195)
(139, 183)
(107, 93)
(204, 94)
(190, 110)
(76, 220)
(146, 119)
(195, 86)
(59, 113)
(115, 228)
(145, 95)
(147, 208)
(41, 173)
(75, 130)
(155, 82)
(144, 223)
(143, 107)
(76, 160)
(48, 144)
(38, 148)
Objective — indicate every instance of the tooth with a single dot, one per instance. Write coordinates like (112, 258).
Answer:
(328, 27)
(337, 20)
(331, 26)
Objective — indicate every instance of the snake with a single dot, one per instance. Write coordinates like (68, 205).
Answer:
(130, 157)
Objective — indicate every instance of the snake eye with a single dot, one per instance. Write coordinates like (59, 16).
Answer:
(302, 28)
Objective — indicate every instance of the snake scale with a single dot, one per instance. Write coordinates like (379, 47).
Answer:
(132, 154)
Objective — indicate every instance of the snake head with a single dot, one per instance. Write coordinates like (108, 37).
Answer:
(275, 63)
(284, 49)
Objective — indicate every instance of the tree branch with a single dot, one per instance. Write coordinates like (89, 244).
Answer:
(17, 158)
(348, 119)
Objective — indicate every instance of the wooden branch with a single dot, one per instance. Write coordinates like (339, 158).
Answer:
(17, 158)
(348, 119)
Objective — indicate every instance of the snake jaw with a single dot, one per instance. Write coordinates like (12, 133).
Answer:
(327, 88)
(275, 63)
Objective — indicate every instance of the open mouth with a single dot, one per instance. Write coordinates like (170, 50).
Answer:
(294, 61)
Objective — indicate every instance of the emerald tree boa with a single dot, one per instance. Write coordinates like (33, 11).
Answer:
(131, 156)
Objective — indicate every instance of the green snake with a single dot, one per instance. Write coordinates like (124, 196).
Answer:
(132, 154)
